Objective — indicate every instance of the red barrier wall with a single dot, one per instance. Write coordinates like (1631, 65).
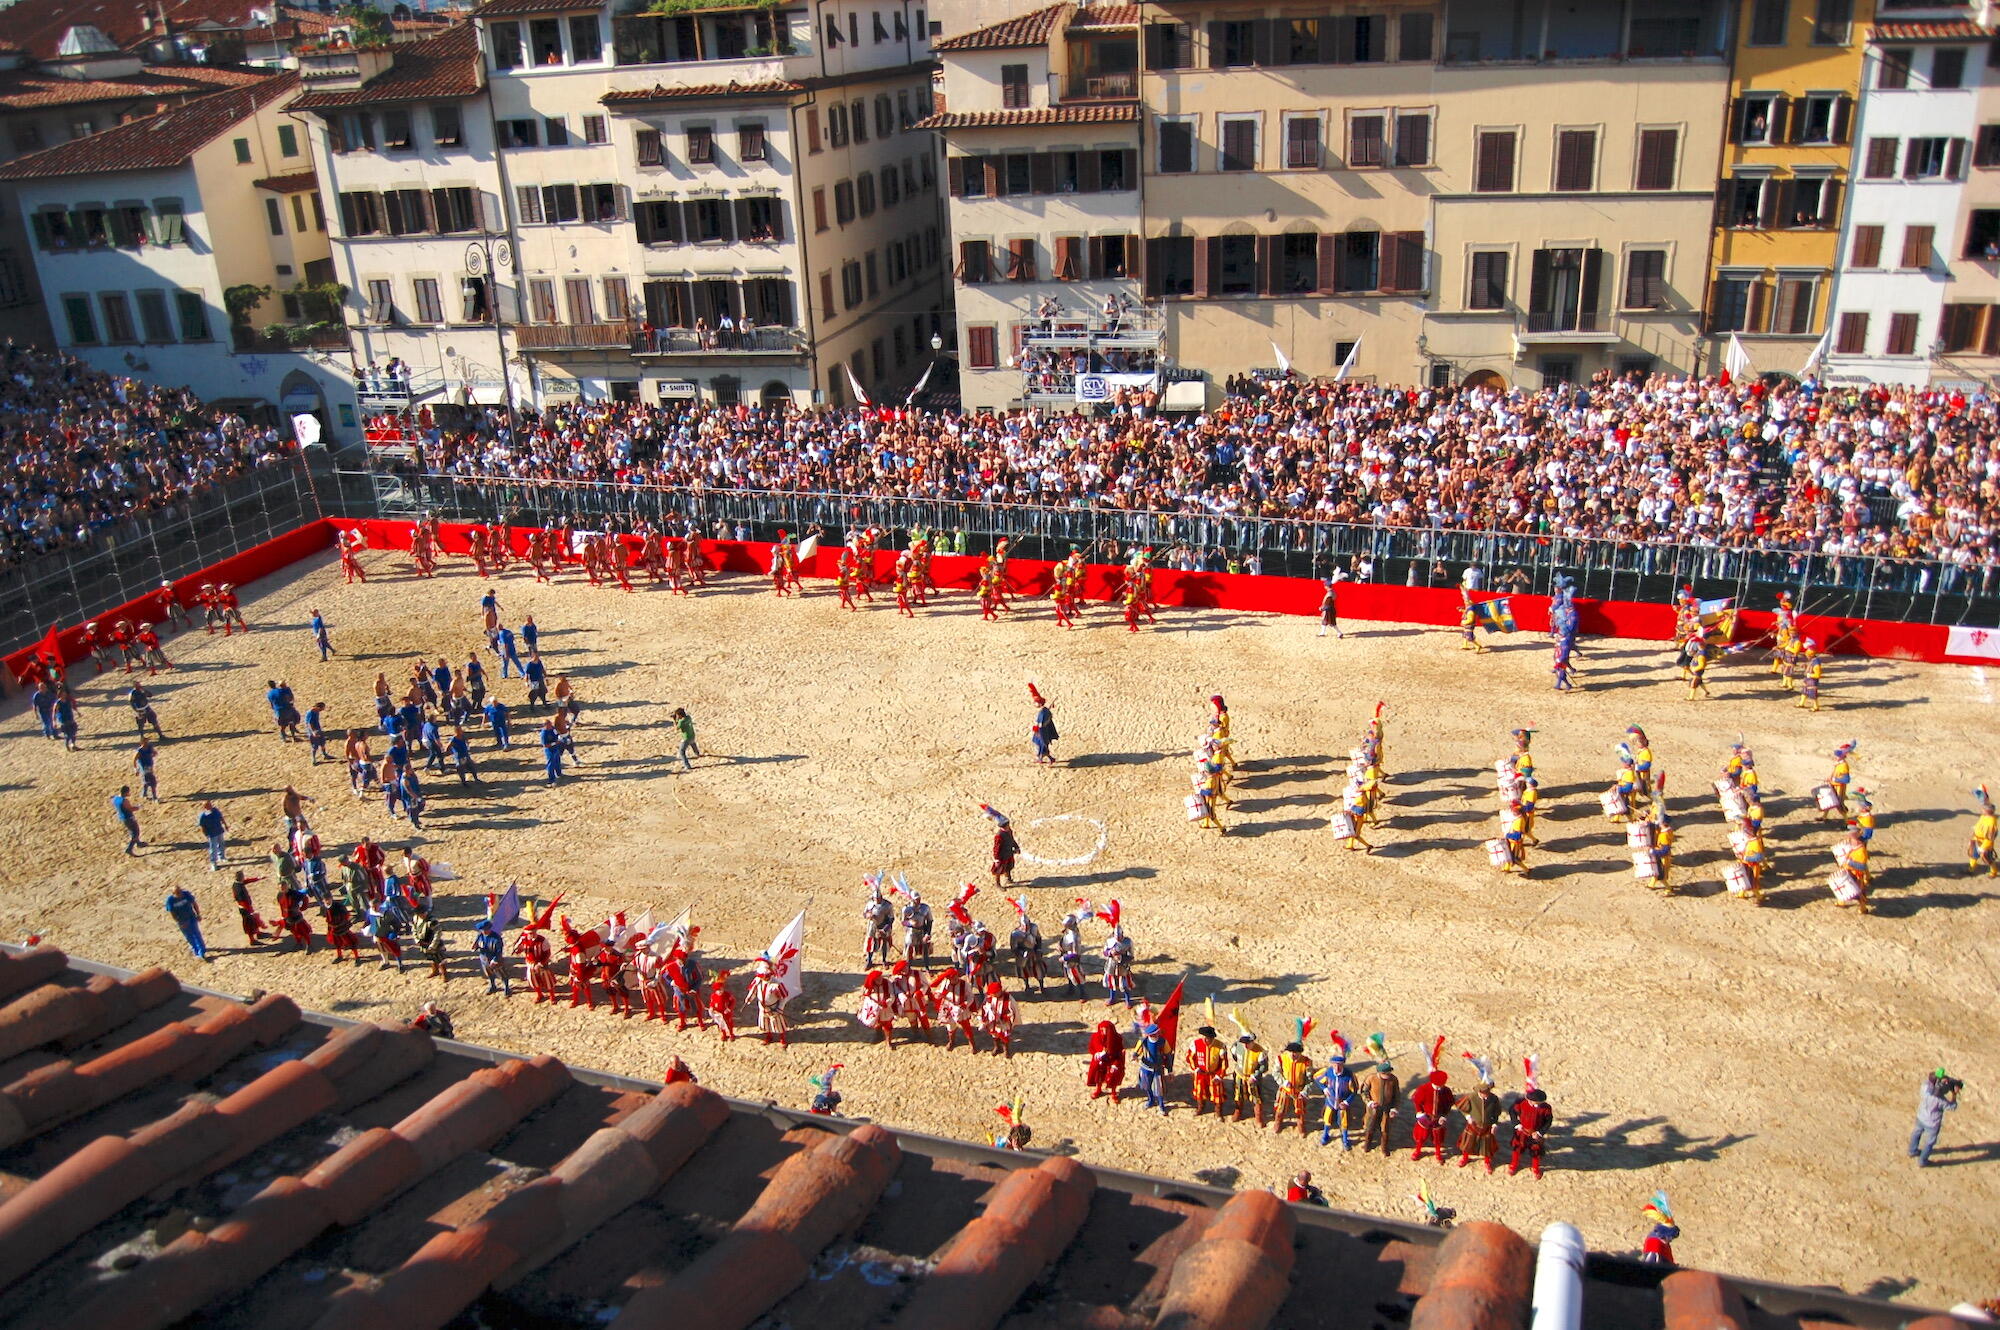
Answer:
(1030, 579)
(240, 570)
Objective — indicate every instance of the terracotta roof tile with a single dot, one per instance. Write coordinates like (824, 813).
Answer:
(1942, 30)
(441, 67)
(549, 1196)
(152, 142)
(660, 93)
(1027, 30)
(1116, 113)
(511, 8)
(298, 182)
(1106, 16)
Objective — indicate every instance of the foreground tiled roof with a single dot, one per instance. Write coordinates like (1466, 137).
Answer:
(513, 8)
(443, 66)
(1027, 30)
(1106, 16)
(168, 1154)
(661, 93)
(152, 142)
(298, 182)
(1125, 113)
(1946, 30)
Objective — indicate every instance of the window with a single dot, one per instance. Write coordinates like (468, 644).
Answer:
(1646, 279)
(82, 320)
(429, 303)
(1832, 20)
(982, 346)
(1068, 259)
(1115, 170)
(298, 212)
(812, 130)
(826, 304)
(1902, 335)
(1298, 263)
(193, 316)
(520, 133)
(1746, 200)
(647, 147)
(1020, 260)
(708, 221)
(1948, 67)
(586, 42)
(1731, 300)
(836, 125)
(1359, 39)
(617, 300)
(1365, 145)
(843, 202)
(891, 187)
(600, 203)
(859, 123)
(1414, 40)
(360, 214)
(1657, 151)
(447, 127)
(750, 143)
(27, 137)
(381, 301)
(864, 190)
(1768, 19)
(545, 41)
(1852, 338)
(1986, 150)
(1169, 46)
(1488, 287)
(1821, 117)
(1176, 146)
(1563, 289)
(578, 300)
(153, 316)
(1013, 86)
(1959, 330)
(454, 210)
(1494, 173)
(117, 318)
(1239, 145)
(1413, 138)
(1867, 250)
(1811, 201)
(1894, 71)
(559, 204)
(1357, 261)
(397, 133)
(541, 300)
(850, 284)
(701, 145)
(657, 221)
(595, 130)
(819, 209)
(1576, 159)
(1924, 158)
(1232, 265)
(1881, 163)
(404, 212)
(242, 147)
(1170, 266)
(1792, 312)
(506, 45)
(319, 215)
(352, 132)
(1917, 242)
(1302, 142)
(974, 262)
(288, 146)
(1232, 42)
(1402, 266)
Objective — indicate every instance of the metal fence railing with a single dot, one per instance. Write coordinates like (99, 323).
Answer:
(128, 560)
(1907, 590)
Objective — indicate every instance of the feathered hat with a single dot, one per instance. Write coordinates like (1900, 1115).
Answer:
(1531, 1072)
(1483, 1067)
(994, 813)
(1339, 1047)
(1376, 1047)
(1657, 1209)
(1035, 694)
(824, 1081)
(1431, 1055)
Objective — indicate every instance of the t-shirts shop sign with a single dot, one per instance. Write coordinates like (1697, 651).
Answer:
(1101, 387)
(676, 390)
(1977, 643)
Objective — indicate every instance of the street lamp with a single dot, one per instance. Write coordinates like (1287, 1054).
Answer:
(937, 343)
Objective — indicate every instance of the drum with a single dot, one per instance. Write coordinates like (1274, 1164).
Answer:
(1846, 887)
(1644, 865)
(1614, 803)
(1737, 840)
(1341, 824)
(1194, 807)
(1827, 798)
(1734, 805)
(1737, 878)
(1724, 787)
(1497, 853)
(1639, 836)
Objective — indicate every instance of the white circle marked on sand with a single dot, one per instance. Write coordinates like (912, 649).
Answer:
(1082, 859)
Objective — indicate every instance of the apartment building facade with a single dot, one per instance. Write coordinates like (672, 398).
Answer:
(1971, 328)
(178, 247)
(1514, 192)
(723, 200)
(1898, 315)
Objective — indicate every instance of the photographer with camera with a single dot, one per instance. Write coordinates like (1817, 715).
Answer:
(1938, 1096)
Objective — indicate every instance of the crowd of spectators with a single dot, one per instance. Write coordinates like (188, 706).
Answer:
(81, 451)
(1797, 467)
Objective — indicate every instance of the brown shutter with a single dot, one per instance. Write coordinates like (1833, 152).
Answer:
(1095, 247)
(1328, 273)
(1267, 265)
(1407, 264)
(1843, 118)
(1736, 120)
(1042, 173)
(991, 166)
(1954, 160)
(1767, 216)
(1593, 284)
(1917, 242)
(1088, 177)
(1215, 46)
(954, 174)
(1867, 251)
(1388, 262)
(1829, 204)
(1207, 259)
(1786, 118)
(1153, 282)
(1753, 319)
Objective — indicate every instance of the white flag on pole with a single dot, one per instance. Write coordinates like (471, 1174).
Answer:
(1284, 365)
(855, 383)
(1353, 355)
(919, 387)
(786, 966)
(1735, 359)
(1818, 354)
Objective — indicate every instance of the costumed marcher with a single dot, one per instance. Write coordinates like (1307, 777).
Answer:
(1532, 1116)
(1432, 1100)
(1381, 1091)
(1043, 732)
(1247, 1062)
(825, 1099)
(1005, 847)
(1659, 1245)
(1481, 1111)
(1337, 1085)
(1155, 1057)
(1979, 850)
(1106, 1069)
(1207, 1061)
(1294, 1075)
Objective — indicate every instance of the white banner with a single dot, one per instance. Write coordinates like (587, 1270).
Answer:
(1101, 387)
(1969, 640)
(305, 428)
(783, 954)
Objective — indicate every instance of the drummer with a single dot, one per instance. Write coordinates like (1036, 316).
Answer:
(1751, 854)
(1851, 880)
(1833, 794)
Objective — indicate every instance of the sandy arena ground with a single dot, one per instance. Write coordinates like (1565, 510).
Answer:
(1759, 1064)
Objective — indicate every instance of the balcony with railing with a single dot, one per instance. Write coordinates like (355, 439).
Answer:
(1103, 68)
(577, 336)
(1137, 329)
(1567, 325)
(760, 341)
(277, 338)
(1101, 87)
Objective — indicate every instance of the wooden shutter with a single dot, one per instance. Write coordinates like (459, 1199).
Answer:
(1329, 251)
(1735, 126)
(1576, 151)
(1207, 261)
(1095, 247)
(1767, 211)
(1088, 178)
(1781, 120)
(1853, 339)
(1954, 160)
(1829, 203)
(1881, 159)
(1917, 241)
(1413, 139)
(1539, 283)
(1593, 283)
(1154, 281)
(990, 166)
(1263, 37)
(1496, 162)
(1657, 148)
(1267, 265)
(1215, 46)
(1760, 295)
(1842, 120)
(1068, 264)
(1867, 251)
(954, 175)
(1042, 173)
(1410, 264)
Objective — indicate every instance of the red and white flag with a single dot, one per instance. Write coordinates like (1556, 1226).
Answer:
(786, 966)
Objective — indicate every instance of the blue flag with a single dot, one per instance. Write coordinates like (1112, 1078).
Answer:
(508, 908)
